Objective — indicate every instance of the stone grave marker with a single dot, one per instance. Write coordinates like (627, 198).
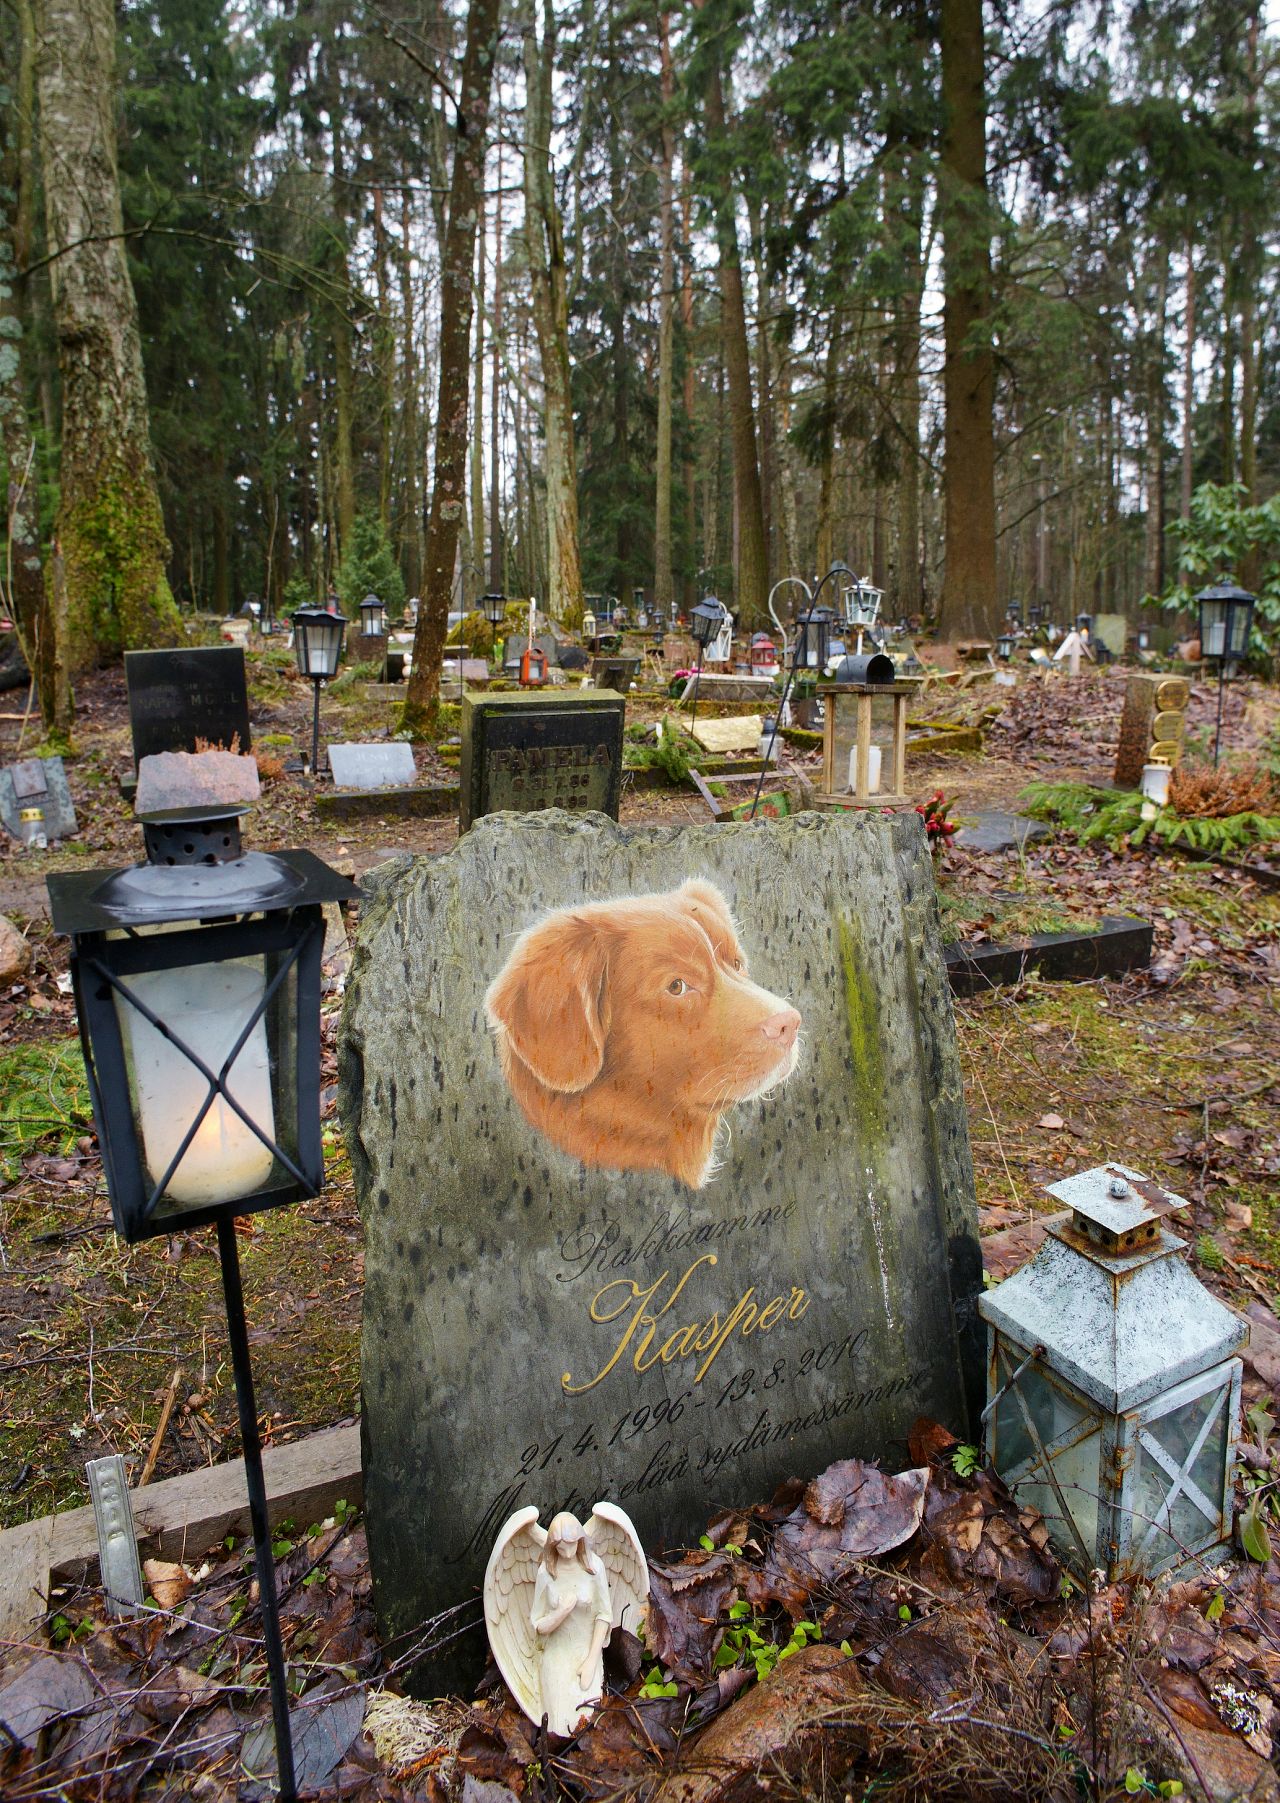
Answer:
(589, 1273)
(386, 766)
(737, 734)
(541, 749)
(177, 697)
(37, 784)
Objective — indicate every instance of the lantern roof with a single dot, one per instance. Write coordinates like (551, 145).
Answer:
(1109, 1295)
(1224, 589)
(95, 901)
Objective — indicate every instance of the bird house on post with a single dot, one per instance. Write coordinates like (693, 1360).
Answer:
(864, 735)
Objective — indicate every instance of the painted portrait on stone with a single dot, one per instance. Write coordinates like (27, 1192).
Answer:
(628, 1030)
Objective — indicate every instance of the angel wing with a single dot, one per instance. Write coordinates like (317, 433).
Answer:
(509, 1581)
(612, 1536)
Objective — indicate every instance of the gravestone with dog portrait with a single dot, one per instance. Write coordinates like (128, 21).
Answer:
(660, 1143)
(546, 749)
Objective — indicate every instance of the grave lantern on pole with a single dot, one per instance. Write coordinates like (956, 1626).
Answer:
(317, 645)
(1226, 619)
(864, 734)
(705, 622)
(494, 604)
(197, 985)
(1113, 1386)
(373, 617)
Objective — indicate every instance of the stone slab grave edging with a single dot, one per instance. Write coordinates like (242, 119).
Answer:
(1118, 946)
(178, 1518)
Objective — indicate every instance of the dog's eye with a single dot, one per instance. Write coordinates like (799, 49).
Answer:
(677, 986)
(737, 964)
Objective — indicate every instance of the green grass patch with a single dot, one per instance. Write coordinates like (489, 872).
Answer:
(44, 1101)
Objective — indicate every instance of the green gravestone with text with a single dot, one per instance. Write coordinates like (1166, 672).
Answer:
(548, 748)
(660, 1144)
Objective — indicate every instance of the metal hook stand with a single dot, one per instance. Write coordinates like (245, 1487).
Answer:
(237, 1332)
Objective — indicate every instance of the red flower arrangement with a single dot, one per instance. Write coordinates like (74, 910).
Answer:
(938, 828)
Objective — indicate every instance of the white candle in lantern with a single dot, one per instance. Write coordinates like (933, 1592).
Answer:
(873, 770)
(205, 1006)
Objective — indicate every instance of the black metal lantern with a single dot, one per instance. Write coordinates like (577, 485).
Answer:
(197, 985)
(373, 617)
(1084, 624)
(317, 645)
(1035, 614)
(1144, 639)
(813, 638)
(705, 622)
(1004, 646)
(1013, 613)
(495, 607)
(1226, 620)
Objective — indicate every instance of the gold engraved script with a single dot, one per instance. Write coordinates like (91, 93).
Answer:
(703, 1339)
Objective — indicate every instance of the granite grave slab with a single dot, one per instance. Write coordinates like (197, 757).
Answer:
(540, 749)
(177, 697)
(590, 1272)
(386, 766)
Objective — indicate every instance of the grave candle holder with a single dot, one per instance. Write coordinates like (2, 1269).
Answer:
(196, 978)
(373, 617)
(705, 622)
(317, 645)
(1226, 619)
(864, 735)
(1113, 1386)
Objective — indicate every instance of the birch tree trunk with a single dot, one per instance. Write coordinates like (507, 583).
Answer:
(548, 281)
(109, 525)
(448, 485)
(969, 598)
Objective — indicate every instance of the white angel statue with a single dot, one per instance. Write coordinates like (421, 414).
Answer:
(552, 1597)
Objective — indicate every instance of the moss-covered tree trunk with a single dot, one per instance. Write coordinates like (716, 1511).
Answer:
(109, 526)
(447, 516)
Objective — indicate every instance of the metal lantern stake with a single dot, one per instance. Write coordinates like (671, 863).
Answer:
(373, 617)
(317, 645)
(1226, 619)
(1113, 1385)
(197, 985)
(705, 622)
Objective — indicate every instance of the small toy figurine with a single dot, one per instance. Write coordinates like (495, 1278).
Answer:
(552, 1597)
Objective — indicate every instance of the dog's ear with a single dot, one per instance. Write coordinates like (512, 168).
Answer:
(702, 897)
(551, 1001)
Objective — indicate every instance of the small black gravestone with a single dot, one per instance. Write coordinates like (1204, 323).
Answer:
(177, 697)
(660, 1143)
(551, 749)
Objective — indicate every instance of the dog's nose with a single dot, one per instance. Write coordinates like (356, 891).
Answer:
(782, 1028)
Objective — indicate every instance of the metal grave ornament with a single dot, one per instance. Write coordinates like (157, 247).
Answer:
(1114, 1387)
(35, 802)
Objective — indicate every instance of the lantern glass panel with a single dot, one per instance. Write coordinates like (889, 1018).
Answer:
(1179, 1473)
(1038, 1425)
(880, 765)
(209, 1007)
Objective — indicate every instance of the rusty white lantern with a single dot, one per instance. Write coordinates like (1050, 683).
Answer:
(1114, 1392)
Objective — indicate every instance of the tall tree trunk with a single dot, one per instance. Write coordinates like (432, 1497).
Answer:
(1188, 389)
(549, 284)
(471, 582)
(1156, 410)
(689, 586)
(22, 586)
(765, 390)
(385, 339)
(751, 586)
(411, 533)
(1249, 570)
(969, 598)
(448, 486)
(663, 567)
(910, 592)
(495, 411)
(824, 537)
(109, 524)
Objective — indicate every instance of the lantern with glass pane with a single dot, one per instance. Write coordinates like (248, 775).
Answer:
(317, 645)
(1113, 1383)
(197, 985)
(373, 618)
(864, 734)
(1226, 619)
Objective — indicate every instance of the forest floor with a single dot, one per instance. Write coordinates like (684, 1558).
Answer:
(1174, 1070)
